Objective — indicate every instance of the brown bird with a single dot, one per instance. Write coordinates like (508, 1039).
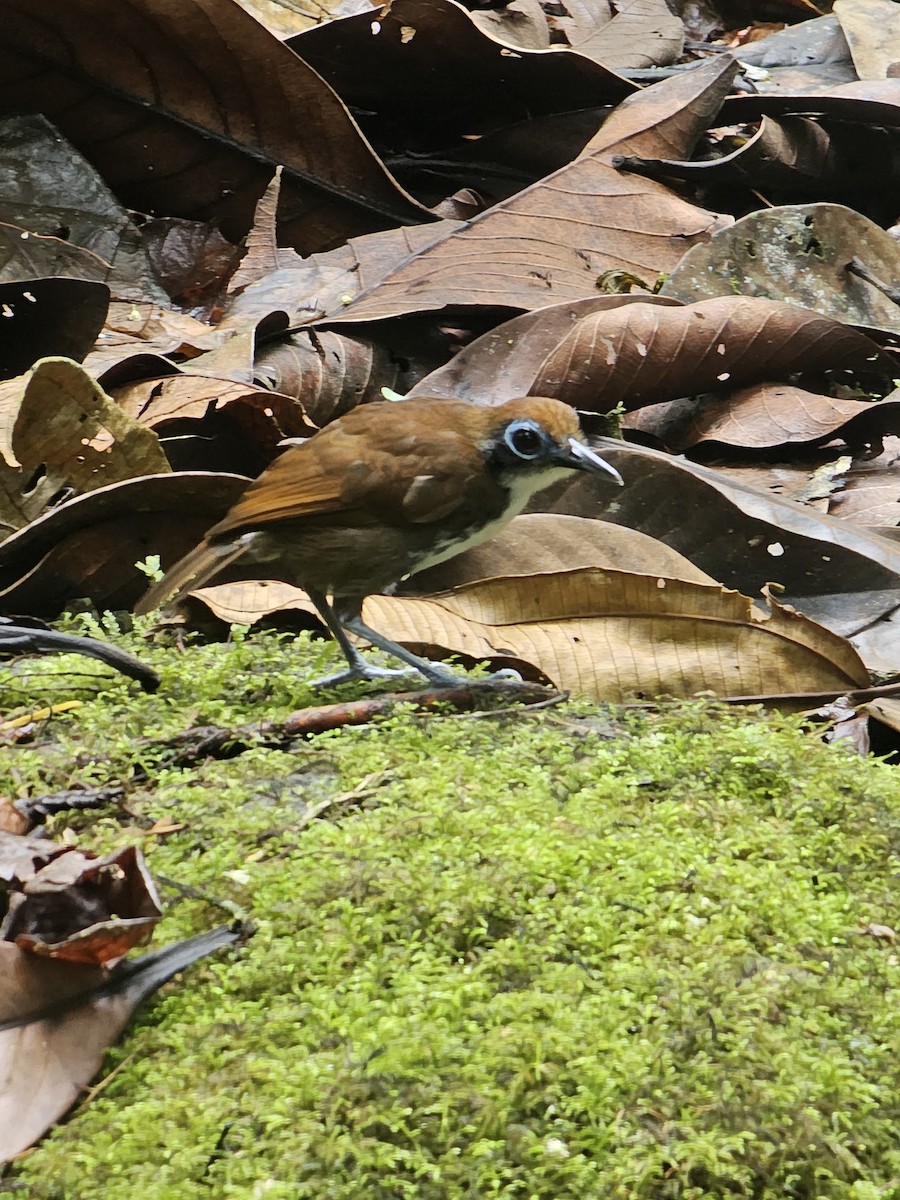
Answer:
(388, 489)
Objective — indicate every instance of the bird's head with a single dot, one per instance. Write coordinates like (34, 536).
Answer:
(534, 441)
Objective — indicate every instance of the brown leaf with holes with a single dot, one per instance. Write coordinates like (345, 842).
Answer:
(59, 430)
(644, 354)
(741, 535)
(504, 362)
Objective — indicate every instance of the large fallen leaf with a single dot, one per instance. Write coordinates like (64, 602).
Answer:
(741, 535)
(57, 1020)
(187, 106)
(59, 430)
(449, 79)
(548, 542)
(644, 354)
(765, 417)
(551, 241)
(608, 634)
(798, 253)
(614, 635)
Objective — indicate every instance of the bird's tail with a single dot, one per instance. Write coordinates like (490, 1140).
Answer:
(195, 570)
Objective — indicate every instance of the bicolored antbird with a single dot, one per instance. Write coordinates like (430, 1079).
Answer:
(388, 489)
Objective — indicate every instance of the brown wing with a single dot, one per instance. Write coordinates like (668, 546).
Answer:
(413, 461)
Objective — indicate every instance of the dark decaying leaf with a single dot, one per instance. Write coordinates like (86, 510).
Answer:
(795, 158)
(190, 258)
(425, 98)
(83, 909)
(89, 545)
(59, 218)
(43, 318)
(868, 102)
(58, 1019)
(801, 254)
(187, 106)
(742, 536)
(644, 354)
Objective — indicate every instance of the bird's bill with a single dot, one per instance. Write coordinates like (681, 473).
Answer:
(583, 458)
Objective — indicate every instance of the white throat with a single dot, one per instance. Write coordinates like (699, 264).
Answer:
(521, 486)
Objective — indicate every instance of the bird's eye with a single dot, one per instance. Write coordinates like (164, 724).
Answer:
(524, 439)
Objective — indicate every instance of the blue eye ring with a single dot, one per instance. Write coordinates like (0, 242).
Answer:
(525, 439)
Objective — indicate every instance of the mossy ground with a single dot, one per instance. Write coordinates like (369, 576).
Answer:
(559, 956)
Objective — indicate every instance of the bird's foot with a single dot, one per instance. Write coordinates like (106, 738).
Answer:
(364, 671)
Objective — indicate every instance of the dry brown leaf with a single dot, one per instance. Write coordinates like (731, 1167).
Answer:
(764, 417)
(741, 535)
(548, 542)
(871, 489)
(607, 634)
(83, 909)
(551, 241)
(172, 406)
(520, 23)
(639, 33)
(644, 354)
(504, 362)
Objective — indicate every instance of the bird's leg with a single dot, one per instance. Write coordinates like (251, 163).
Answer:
(359, 668)
(432, 671)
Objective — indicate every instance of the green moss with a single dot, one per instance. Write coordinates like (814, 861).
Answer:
(561, 956)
